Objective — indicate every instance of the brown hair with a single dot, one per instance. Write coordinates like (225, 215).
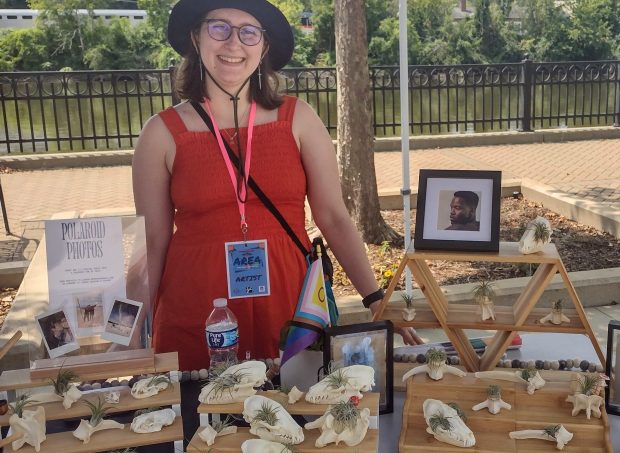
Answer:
(187, 83)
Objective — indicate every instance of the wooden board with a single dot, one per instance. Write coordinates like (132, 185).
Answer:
(105, 440)
(508, 253)
(232, 443)
(56, 411)
(93, 363)
(301, 407)
(546, 407)
(20, 379)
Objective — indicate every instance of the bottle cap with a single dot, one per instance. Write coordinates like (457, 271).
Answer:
(220, 302)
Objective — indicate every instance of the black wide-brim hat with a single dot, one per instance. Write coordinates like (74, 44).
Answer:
(186, 14)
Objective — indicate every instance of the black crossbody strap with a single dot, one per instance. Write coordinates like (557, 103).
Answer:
(252, 184)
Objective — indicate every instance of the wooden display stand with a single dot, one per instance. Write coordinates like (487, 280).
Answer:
(65, 442)
(546, 407)
(232, 443)
(522, 316)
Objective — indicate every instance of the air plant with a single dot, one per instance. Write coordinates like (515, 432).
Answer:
(542, 233)
(146, 411)
(484, 289)
(552, 431)
(337, 379)
(63, 381)
(436, 356)
(528, 373)
(408, 300)
(557, 305)
(591, 383)
(159, 379)
(98, 410)
(20, 404)
(439, 420)
(220, 425)
(494, 392)
(346, 414)
(218, 369)
(267, 414)
(459, 411)
(225, 382)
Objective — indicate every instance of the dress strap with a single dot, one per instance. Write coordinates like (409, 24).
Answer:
(287, 109)
(173, 122)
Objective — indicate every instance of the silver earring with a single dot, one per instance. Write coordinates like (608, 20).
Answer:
(260, 79)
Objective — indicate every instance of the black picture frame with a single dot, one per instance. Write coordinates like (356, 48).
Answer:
(373, 344)
(438, 190)
(612, 366)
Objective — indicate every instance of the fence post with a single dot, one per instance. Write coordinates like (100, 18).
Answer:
(617, 104)
(172, 70)
(525, 111)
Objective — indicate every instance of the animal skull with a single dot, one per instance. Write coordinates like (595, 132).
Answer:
(458, 435)
(145, 388)
(112, 397)
(152, 422)
(245, 376)
(86, 430)
(357, 378)
(32, 425)
(330, 432)
(262, 446)
(285, 430)
(562, 437)
(527, 243)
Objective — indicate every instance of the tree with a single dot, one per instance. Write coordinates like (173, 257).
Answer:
(355, 137)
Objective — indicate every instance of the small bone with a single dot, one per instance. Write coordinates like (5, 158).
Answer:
(561, 438)
(434, 372)
(536, 382)
(294, 395)
(589, 403)
(208, 434)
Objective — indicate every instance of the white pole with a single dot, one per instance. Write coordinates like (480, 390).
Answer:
(404, 129)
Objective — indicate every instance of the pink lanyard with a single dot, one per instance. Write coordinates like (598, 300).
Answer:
(229, 165)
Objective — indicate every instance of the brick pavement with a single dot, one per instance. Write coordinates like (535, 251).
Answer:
(588, 169)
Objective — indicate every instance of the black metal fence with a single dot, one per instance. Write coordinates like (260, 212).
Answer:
(85, 110)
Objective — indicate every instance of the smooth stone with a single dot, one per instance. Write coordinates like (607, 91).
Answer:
(96, 386)
(454, 360)
(555, 365)
(516, 363)
(194, 375)
(457, 360)
(562, 364)
(584, 365)
(106, 385)
(203, 373)
(539, 364)
(420, 358)
(114, 383)
(398, 357)
(86, 387)
(599, 368)
(506, 364)
(569, 364)
(125, 383)
(576, 362)
(523, 364)
(592, 368)
(546, 365)
(185, 376)
(531, 363)
(132, 381)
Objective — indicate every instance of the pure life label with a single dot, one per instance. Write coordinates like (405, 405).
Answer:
(224, 339)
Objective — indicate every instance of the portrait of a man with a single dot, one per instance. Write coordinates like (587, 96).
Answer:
(463, 211)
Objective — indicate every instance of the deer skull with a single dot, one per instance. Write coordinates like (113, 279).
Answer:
(342, 384)
(152, 422)
(145, 388)
(282, 429)
(241, 381)
(458, 434)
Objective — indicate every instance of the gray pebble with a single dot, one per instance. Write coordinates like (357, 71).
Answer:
(203, 373)
(457, 360)
(592, 367)
(539, 364)
(398, 357)
(269, 362)
(576, 362)
(86, 387)
(194, 375)
(531, 363)
(132, 381)
(96, 386)
(569, 364)
(546, 365)
(516, 363)
(125, 383)
(114, 383)
(506, 363)
(106, 385)
(420, 358)
(522, 364)
(185, 376)
(555, 365)
(584, 365)
(599, 368)
(454, 360)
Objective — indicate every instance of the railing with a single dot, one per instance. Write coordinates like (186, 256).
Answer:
(59, 111)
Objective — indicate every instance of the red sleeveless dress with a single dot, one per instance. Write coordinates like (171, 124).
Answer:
(207, 216)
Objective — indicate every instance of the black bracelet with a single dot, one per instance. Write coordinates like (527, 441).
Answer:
(373, 297)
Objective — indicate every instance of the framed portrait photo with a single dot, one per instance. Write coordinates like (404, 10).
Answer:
(57, 334)
(458, 210)
(368, 344)
(612, 392)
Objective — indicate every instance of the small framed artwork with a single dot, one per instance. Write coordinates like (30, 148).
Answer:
(365, 344)
(612, 393)
(458, 210)
(121, 321)
(57, 334)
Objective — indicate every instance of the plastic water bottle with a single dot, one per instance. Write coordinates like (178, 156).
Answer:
(222, 333)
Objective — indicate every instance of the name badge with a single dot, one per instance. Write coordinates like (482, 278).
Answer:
(247, 269)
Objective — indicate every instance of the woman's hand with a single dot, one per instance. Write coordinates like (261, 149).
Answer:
(410, 337)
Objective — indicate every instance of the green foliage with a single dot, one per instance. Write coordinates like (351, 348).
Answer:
(458, 411)
(98, 411)
(437, 421)
(63, 381)
(346, 415)
(23, 50)
(20, 404)
(552, 431)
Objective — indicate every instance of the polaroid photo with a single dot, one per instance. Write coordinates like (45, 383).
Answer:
(57, 334)
(89, 313)
(121, 321)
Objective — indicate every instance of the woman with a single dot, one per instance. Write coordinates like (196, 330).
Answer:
(182, 176)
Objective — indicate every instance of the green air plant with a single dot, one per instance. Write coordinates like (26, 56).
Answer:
(156, 380)
(438, 421)
(408, 300)
(98, 410)
(552, 431)
(385, 247)
(436, 356)
(459, 411)
(590, 383)
(219, 425)
(225, 383)
(218, 369)
(337, 379)
(542, 233)
(528, 373)
(484, 289)
(267, 414)
(346, 415)
(20, 404)
(557, 305)
(494, 392)
(63, 381)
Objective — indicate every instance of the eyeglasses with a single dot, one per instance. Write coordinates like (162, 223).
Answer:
(220, 30)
